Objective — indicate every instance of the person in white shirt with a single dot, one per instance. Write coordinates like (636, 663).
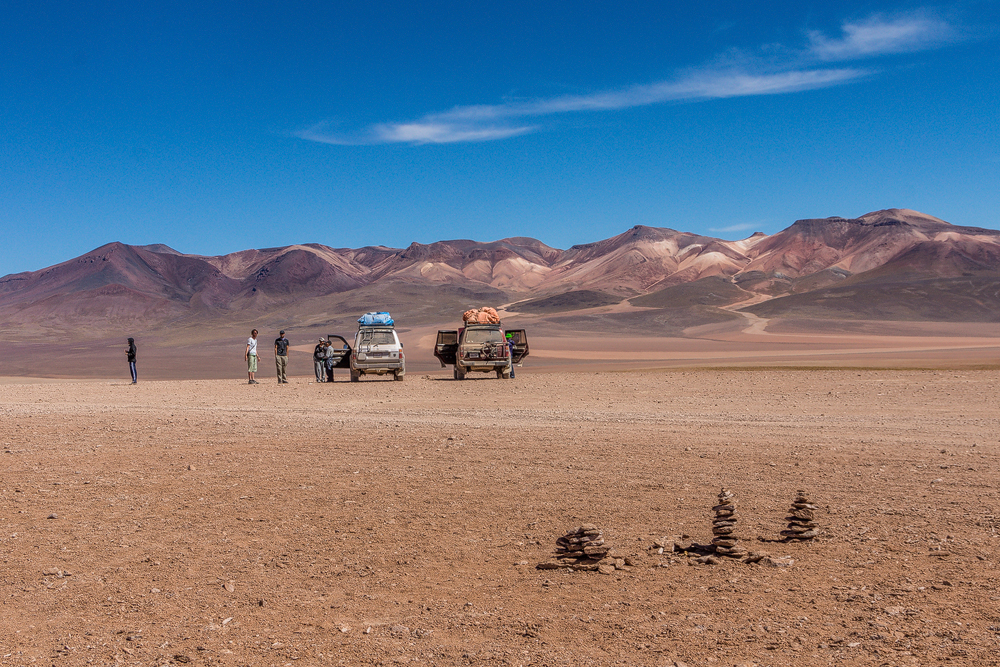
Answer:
(251, 356)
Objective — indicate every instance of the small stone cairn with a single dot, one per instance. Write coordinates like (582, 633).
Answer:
(724, 527)
(584, 548)
(801, 526)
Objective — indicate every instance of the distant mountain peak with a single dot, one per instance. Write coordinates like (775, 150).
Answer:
(155, 281)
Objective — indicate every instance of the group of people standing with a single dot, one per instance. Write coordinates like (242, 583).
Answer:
(323, 360)
(280, 357)
(323, 357)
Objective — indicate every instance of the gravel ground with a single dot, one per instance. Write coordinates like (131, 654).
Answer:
(215, 523)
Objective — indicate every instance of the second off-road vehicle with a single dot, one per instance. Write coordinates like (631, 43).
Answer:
(481, 348)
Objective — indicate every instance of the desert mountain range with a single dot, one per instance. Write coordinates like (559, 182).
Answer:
(895, 264)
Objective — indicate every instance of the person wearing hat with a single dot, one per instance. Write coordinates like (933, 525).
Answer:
(130, 352)
(319, 360)
(281, 356)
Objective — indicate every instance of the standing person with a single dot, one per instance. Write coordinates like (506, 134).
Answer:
(510, 352)
(131, 358)
(281, 356)
(319, 360)
(251, 356)
(328, 361)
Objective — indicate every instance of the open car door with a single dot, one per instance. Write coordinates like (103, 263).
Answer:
(520, 339)
(446, 347)
(341, 351)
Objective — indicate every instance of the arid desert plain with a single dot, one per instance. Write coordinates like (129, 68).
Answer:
(208, 522)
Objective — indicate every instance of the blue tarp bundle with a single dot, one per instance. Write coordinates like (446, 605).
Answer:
(371, 319)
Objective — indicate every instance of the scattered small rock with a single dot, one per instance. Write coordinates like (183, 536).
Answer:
(52, 516)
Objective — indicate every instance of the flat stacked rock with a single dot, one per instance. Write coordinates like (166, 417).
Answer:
(800, 520)
(583, 548)
(724, 527)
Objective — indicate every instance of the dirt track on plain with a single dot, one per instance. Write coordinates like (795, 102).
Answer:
(209, 522)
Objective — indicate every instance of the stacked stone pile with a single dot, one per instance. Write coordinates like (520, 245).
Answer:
(726, 542)
(587, 541)
(584, 548)
(801, 525)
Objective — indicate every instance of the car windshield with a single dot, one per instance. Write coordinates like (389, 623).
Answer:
(377, 338)
(483, 336)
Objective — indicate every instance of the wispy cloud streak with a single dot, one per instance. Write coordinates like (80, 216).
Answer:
(877, 36)
(742, 227)
(801, 70)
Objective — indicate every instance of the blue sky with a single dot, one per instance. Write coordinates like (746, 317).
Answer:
(216, 127)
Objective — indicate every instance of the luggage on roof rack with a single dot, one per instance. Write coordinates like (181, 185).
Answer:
(484, 315)
(374, 319)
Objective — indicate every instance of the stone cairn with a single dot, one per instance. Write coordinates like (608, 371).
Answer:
(800, 520)
(583, 548)
(724, 527)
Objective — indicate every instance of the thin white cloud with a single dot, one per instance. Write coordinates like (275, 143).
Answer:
(491, 122)
(877, 35)
(798, 72)
(698, 85)
(742, 227)
(417, 132)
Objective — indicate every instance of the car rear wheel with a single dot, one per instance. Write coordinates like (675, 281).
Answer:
(459, 373)
(355, 375)
(398, 376)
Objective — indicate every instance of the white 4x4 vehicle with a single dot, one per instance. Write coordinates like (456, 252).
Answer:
(377, 350)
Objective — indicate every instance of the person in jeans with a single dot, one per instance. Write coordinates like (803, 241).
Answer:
(319, 360)
(281, 356)
(328, 361)
(131, 358)
(251, 357)
(510, 352)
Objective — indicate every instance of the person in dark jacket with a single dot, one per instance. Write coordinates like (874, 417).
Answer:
(510, 352)
(319, 360)
(130, 352)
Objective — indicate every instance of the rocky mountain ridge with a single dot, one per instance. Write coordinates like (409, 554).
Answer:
(873, 257)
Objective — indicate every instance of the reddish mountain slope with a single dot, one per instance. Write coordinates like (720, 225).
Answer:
(865, 243)
(861, 265)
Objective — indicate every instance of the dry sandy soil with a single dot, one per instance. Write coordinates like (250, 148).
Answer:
(755, 342)
(207, 522)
